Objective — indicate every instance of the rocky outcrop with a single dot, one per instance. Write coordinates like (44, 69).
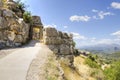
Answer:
(1, 3)
(60, 43)
(37, 28)
(12, 5)
(13, 30)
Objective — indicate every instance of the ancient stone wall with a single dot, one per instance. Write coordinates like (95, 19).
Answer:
(37, 28)
(13, 30)
(60, 43)
(13, 6)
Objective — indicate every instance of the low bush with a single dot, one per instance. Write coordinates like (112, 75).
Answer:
(27, 17)
(113, 73)
(91, 63)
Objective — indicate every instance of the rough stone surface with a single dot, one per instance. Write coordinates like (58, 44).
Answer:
(10, 4)
(1, 3)
(37, 28)
(13, 31)
(60, 43)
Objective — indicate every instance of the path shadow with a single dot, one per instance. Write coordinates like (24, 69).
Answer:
(31, 43)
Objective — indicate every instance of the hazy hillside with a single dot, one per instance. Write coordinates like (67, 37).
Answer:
(102, 48)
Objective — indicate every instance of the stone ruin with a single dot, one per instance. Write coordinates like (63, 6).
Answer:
(60, 43)
(13, 29)
(15, 32)
(37, 28)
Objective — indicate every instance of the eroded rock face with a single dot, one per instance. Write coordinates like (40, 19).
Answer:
(1, 3)
(60, 43)
(11, 5)
(13, 31)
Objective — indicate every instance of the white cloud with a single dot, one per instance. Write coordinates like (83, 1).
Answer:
(101, 14)
(93, 39)
(95, 17)
(51, 25)
(115, 5)
(80, 18)
(94, 10)
(78, 36)
(116, 34)
(65, 27)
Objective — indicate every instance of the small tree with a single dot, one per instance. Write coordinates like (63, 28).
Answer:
(74, 44)
(27, 17)
(21, 5)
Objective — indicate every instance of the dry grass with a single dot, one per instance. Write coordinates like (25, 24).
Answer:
(82, 69)
(52, 70)
(69, 73)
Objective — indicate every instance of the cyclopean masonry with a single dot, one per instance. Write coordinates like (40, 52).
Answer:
(60, 43)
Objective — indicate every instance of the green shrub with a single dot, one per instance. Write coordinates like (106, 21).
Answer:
(76, 52)
(113, 73)
(97, 74)
(91, 63)
(74, 44)
(27, 17)
(21, 5)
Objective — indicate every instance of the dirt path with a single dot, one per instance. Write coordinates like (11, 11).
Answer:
(16, 65)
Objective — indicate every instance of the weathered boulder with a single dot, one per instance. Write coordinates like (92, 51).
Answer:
(1, 3)
(11, 5)
(36, 20)
(64, 49)
(52, 40)
(50, 32)
(3, 23)
(11, 36)
(8, 13)
(13, 30)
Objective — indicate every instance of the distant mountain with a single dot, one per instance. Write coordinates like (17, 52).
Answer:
(102, 48)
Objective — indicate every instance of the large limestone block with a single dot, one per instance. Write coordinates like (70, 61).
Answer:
(1, 3)
(11, 5)
(64, 49)
(8, 13)
(3, 23)
(11, 36)
(52, 40)
(65, 36)
(18, 39)
(60, 34)
(36, 20)
(51, 32)
(46, 40)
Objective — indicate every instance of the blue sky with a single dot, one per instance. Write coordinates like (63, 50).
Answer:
(91, 21)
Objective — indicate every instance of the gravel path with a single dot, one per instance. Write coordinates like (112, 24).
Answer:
(37, 68)
(15, 66)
